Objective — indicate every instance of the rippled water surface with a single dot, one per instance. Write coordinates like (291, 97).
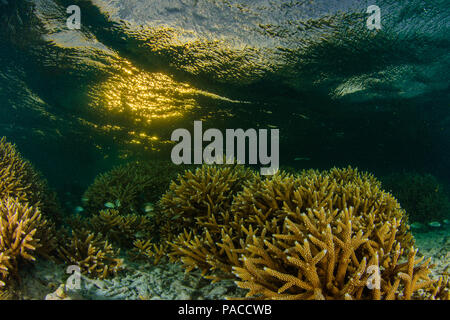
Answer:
(76, 102)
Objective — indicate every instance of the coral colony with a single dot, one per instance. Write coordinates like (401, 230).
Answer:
(214, 152)
(333, 234)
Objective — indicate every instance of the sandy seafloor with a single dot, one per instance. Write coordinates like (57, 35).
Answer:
(137, 281)
(168, 281)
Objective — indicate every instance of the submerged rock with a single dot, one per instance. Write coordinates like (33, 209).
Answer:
(59, 294)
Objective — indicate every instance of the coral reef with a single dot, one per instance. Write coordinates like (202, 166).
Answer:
(260, 208)
(15, 173)
(18, 227)
(4, 265)
(23, 234)
(18, 179)
(339, 232)
(146, 249)
(333, 234)
(331, 259)
(129, 187)
(265, 201)
(28, 212)
(440, 290)
(421, 195)
(199, 195)
(120, 229)
(94, 255)
(315, 235)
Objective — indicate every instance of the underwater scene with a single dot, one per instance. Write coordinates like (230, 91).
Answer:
(224, 149)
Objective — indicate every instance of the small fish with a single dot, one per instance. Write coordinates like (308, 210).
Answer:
(84, 200)
(148, 207)
(446, 221)
(416, 225)
(110, 205)
(78, 209)
(434, 224)
(301, 116)
(302, 159)
(117, 203)
(139, 234)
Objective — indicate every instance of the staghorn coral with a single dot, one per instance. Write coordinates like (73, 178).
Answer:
(200, 195)
(4, 266)
(194, 200)
(338, 227)
(315, 235)
(28, 210)
(7, 295)
(18, 179)
(218, 238)
(351, 175)
(325, 255)
(94, 255)
(440, 289)
(260, 209)
(422, 196)
(120, 229)
(131, 186)
(146, 249)
(23, 234)
(333, 189)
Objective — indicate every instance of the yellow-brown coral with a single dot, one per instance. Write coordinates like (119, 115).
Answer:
(440, 290)
(4, 266)
(25, 203)
(333, 259)
(338, 232)
(19, 180)
(121, 229)
(146, 249)
(316, 235)
(203, 194)
(23, 234)
(18, 225)
(265, 202)
(94, 255)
